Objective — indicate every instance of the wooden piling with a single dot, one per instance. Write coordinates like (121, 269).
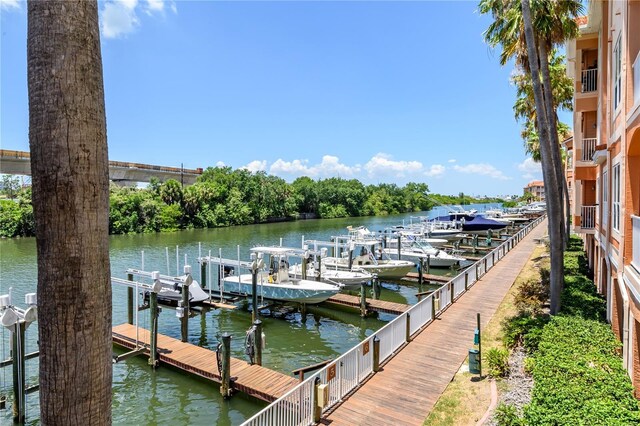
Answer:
(19, 382)
(420, 271)
(203, 274)
(363, 300)
(257, 341)
(399, 247)
(376, 354)
(254, 294)
(130, 300)
(153, 338)
(317, 408)
(407, 336)
(225, 373)
(303, 272)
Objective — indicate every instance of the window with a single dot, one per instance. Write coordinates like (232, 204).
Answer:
(605, 197)
(617, 73)
(615, 198)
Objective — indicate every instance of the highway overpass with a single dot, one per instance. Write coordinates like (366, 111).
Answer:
(19, 163)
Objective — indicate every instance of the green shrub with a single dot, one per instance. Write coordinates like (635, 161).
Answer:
(498, 361)
(507, 415)
(523, 329)
(579, 377)
(531, 296)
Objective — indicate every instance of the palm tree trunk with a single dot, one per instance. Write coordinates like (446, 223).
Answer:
(553, 129)
(69, 164)
(567, 206)
(552, 188)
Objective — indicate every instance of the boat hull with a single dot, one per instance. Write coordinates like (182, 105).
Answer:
(299, 291)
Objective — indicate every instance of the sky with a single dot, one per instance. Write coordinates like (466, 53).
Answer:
(393, 92)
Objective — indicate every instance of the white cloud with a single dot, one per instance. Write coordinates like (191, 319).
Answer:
(256, 166)
(435, 170)
(9, 4)
(329, 166)
(453, 160)
(481, 169)
(155, 5)
(220, 164)
(529, 166)
(119, 18)
(383, 164)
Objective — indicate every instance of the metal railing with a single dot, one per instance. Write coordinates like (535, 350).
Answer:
(589, 80)
(588, 217)
(635, 260)
(588, 148)
(355, 366)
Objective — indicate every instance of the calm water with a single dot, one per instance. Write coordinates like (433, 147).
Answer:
(166, 396)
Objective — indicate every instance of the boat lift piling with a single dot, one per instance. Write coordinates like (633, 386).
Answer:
(183, 311)
(224, 364)
(17, 320)
(363, 300)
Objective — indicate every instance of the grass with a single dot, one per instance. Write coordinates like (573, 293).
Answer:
(466, 399)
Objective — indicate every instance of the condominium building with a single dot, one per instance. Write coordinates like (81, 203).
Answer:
(536, 188)
(603, 170)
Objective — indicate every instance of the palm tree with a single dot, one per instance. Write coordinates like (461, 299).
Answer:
(513, 29)
(69, 163)
(524, 109)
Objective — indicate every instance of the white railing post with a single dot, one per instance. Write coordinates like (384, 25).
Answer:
(589, 80)
(588, 148)
(588, 217)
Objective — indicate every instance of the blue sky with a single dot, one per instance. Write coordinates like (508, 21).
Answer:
(378, 91)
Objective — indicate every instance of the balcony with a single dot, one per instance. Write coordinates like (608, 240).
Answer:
(588, 217)
(589, 80)
(635, 261)
(588, 148)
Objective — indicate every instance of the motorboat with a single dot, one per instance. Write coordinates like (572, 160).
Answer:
(378, 263)
(480, 224)
(417, 251)
(347, 279)
(274, 282)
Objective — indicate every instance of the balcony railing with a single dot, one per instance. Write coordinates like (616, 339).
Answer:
(589, 80)
(588, 217)
(635, 261)
(588, 148)
(636, 80)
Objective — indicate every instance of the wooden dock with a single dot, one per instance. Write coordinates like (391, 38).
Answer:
(410, 383)
(414, 276)
(372, 304)
(259, 382)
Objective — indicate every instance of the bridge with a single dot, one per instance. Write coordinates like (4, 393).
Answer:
(19, 163)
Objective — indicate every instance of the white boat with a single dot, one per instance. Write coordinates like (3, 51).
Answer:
(275, 283)
(379, 264)
(417, 251)
(347, 279)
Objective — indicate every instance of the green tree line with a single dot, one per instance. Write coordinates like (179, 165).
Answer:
(224, 197)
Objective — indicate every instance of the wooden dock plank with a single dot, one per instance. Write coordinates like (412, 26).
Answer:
(257, 381)
(372, 304)
(421, 371)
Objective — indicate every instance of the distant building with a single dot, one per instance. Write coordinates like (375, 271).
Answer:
(536, 188)
(603, 167)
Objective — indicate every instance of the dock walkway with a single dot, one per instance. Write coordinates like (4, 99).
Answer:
(372, 304)
(259, 382)
(411, 382)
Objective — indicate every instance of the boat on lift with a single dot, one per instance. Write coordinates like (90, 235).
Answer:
(370, 258)
(274, 282)
(418, 251)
